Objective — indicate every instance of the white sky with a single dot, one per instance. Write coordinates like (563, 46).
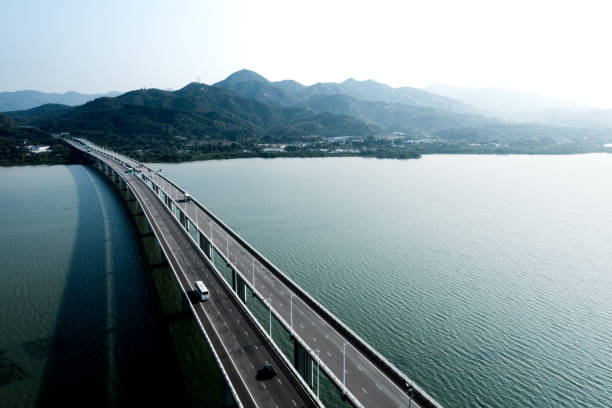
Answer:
(556, 48)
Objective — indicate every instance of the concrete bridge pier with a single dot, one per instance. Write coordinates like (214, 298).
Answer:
(303, 363)
(135, 208)
(239, 286)
(130, 195)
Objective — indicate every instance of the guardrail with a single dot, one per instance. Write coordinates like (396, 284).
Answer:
(403, 382)
(420, 396)
(291, 373)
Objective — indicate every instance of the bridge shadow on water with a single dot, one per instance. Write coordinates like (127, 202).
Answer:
(111, 345)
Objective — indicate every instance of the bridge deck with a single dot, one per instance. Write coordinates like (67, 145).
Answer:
(366, 382)
(238, 342)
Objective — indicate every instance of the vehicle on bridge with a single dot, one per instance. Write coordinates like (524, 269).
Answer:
(267, 372)
(201, 290)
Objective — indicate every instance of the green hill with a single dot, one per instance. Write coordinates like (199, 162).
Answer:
(193, 121)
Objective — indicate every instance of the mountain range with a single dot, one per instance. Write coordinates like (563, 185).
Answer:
(528, 107)
(243, 115)
(291, 93)
(19, 100)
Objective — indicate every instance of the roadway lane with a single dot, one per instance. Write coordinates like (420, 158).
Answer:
(238, 342)
(370, 386)
(365, 381)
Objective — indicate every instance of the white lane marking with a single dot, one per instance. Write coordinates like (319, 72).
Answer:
(202, 306)
(279, 381)
(364, 390)
(335, 332)
(314, 338)
(294, 403)
(328, 353)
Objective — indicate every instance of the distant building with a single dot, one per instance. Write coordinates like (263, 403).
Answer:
(39, 149)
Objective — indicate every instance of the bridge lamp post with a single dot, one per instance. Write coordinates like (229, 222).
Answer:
(269, 300)
(197, 225)
(344, 366)
(318, 368)
(212, 244)
(156, 172)
(291, 313)
(410, 394)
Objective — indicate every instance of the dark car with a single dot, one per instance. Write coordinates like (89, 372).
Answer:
(267, 372)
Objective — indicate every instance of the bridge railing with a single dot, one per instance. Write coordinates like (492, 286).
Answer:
(400, 379)
(224, 374)
(420, 396)
(292, 375)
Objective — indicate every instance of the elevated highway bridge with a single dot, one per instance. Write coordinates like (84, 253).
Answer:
(190, 236)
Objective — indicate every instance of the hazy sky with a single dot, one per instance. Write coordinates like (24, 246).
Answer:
(557, 48)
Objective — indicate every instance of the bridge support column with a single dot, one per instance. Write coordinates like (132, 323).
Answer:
(205, 245)
(130, 195)
(239, 286)
(140, 211)
(302, 363)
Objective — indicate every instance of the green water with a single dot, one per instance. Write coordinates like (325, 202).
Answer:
(486, 279)
(80, 323)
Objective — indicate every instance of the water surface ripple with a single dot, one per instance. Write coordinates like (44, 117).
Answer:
(484, 278)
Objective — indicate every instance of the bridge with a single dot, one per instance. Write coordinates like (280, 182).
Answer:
(190, 237)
